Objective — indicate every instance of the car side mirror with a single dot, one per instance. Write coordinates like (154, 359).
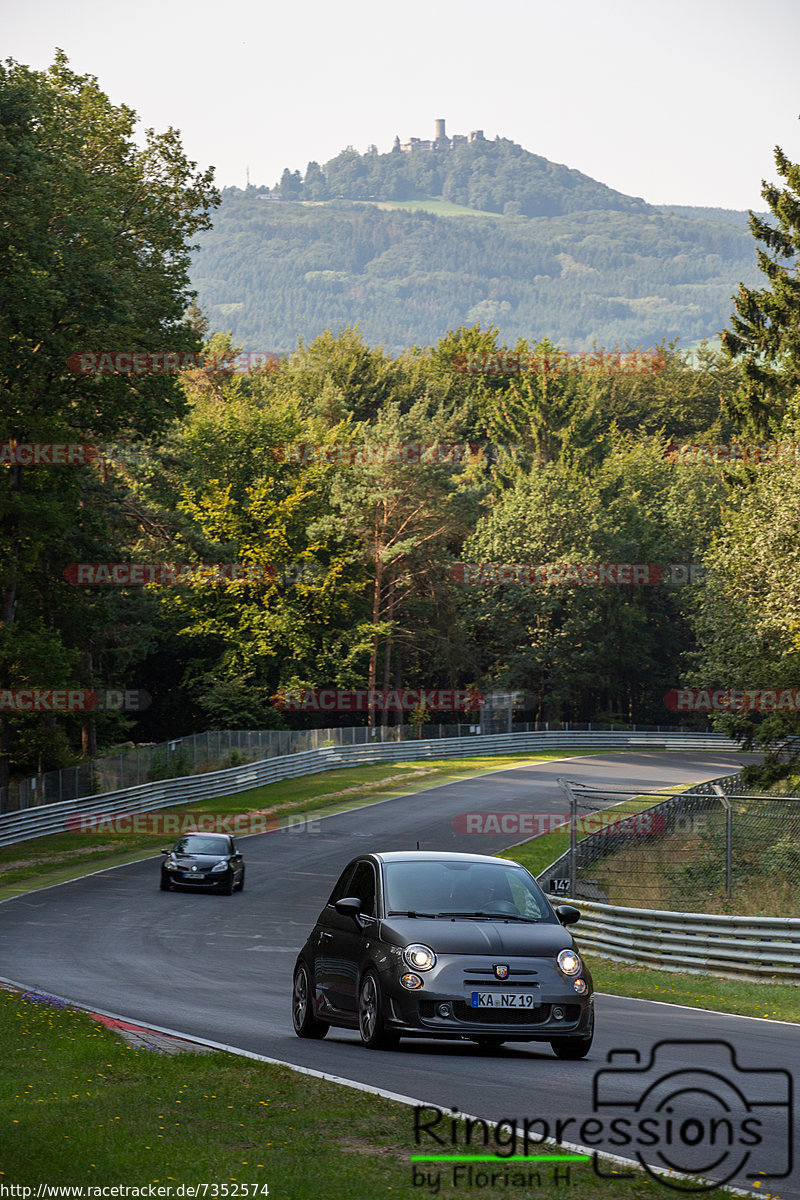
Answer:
(165, 851)
(567, 914)
(349, 906)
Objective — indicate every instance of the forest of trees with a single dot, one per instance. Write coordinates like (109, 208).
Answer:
(273, 272)
(195, 468)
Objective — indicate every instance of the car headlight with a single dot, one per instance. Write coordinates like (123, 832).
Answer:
(569, 962)
(220, 866)
(421, 958)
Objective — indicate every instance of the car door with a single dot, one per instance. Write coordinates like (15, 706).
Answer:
(342, 942)
(352, 938)
(326, 972)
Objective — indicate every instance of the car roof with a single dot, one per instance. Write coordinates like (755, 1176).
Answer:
(198, 833)
(437, 856)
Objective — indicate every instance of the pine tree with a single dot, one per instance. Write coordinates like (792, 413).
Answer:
(766, 325)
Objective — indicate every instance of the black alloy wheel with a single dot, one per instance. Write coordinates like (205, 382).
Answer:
(370, 1015)
(306, 1025)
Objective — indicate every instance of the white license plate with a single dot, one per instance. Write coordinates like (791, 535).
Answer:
(505, 999)
(193, 875)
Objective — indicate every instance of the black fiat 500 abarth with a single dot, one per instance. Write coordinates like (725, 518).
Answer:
(423, 944)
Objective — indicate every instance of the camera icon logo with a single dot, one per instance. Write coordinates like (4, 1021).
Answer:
(716, 1119)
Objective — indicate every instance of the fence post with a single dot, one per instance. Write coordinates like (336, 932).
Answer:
(566, 788)
(728, 837)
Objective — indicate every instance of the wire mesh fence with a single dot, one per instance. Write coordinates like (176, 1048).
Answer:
(714, 849)
(217, 749)
(214, 750)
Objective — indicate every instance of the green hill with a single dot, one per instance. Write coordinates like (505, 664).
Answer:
(409, 245)
(498, 176)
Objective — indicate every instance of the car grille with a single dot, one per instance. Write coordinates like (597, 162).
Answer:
(499, 1016)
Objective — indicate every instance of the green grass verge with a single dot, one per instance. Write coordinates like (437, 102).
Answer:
(777, 1001)
(59, 857)
(79, 1107)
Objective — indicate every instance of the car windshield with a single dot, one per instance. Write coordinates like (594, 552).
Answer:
(466, 889)
(202, 845)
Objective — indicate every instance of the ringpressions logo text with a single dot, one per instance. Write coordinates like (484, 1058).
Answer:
(692, 1127)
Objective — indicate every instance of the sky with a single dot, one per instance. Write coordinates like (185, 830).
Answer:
(680, 102)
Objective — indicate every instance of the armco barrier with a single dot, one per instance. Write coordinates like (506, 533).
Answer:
(217, 748)
(52, 818)
(700, 943)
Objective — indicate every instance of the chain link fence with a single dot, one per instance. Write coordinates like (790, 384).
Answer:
(132, 765)
(199, 752)
(715, 849)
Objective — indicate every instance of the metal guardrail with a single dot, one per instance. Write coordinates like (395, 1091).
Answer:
(699, 943)
(205, 752)
(53, 818)
(214, 750)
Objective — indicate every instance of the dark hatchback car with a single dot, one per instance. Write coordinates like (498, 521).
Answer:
(203, 860)
(422, 944)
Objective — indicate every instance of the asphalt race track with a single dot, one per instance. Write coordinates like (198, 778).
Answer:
(220, 967)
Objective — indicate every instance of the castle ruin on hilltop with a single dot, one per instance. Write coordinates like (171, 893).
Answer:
(439, 141)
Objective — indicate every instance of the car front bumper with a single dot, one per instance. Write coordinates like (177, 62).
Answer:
(443, 1007)
(190, 880)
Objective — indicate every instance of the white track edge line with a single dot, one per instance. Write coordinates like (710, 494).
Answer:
(717, 1012)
